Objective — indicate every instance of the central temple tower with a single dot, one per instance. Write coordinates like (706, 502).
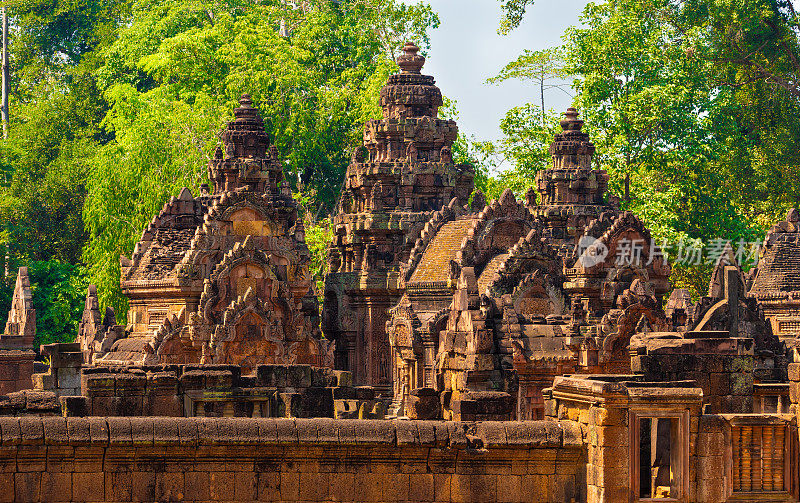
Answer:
(401, 174)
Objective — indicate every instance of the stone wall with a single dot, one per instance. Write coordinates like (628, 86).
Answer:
(208, 459)
(221, 390)
(16, 369)
(64, 375)
(647, 441)
(722, 367)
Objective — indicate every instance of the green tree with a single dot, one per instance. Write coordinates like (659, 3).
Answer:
(513, 12)
(545, 68)
(56, 110)
(58, 291)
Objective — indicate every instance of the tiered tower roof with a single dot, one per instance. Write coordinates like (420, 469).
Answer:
(572, 193)
(409, 93)
(248, 161)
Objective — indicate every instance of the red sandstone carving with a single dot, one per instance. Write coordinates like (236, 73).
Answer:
(223, 277)
(20, 328)
(501, 298)
(402, 174)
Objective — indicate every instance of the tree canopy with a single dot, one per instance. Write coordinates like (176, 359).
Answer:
(116, 105)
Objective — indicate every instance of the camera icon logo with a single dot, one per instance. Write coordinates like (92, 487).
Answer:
(591, 251)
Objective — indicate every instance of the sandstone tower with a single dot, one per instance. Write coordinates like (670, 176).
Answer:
(401, 175)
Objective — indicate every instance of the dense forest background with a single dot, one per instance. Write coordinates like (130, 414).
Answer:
(117, 104)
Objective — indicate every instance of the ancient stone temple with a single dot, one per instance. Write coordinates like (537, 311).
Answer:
(571, 192)
(221, 277)
(500, 298)
(97, 332)
(519, 345)
(396, 181)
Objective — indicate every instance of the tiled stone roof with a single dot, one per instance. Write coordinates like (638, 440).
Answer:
(489, 272)
(779, 270)
(435, 263)
(168, 248)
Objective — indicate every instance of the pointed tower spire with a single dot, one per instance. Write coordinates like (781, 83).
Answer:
(249, 161)
(571, 149)
(409, 93)
(572, 193)
(410, 61)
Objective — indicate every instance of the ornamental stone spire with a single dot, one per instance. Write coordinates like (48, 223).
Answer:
(248, 161)
(400, 175)
(572, 193)
(410, 129)
(409, 93)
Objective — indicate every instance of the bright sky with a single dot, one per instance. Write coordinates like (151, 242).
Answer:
(466, 50)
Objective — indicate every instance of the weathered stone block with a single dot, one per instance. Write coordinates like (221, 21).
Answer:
(609, 436)
(269, 486)
(99, 384)
(119, 486)
(69, 377)
(143, 486)
(286, 431)
(219, 379)
(9, 372)
(424, 404)
(322, 377)
(88, 486)
(372, 409)
(365, 393)
(738, 404)
(193, 380)
(163, 404)
(442, 487)
(197, 486)
(739, 364)
(741, 384)
(56, 486)
(719, 384)
(298, 376)
(343, 378)
(316, 402)
(290, 486)
(245, 486)
(345, 409)
(222, 485)
(794, 371)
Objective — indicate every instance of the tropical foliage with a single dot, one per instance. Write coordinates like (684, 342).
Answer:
(692, 107)
(116, 105)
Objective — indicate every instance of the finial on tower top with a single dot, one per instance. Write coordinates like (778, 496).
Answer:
(410, 61)
(245, 110)
(570, 122)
